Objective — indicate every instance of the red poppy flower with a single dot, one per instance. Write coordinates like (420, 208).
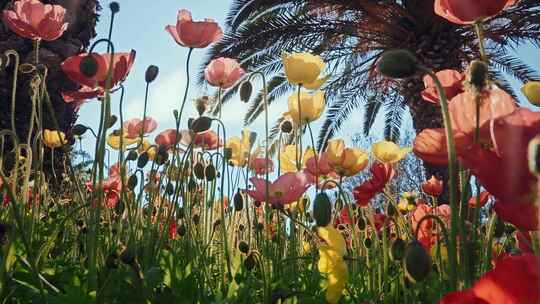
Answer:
(193, 34)
(426, 235)
(523, 215)
(34, 20)
(135, 127)
(381, 175)
(433, 186)
(467, 11)
(484, 198)
(168, 138)
(462, 297)
(172, 230)
(94, 86)
(207, 140)
(514, 280)
(452, 82)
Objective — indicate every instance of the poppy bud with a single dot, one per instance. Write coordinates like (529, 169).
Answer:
(500, 228)
(245, 91)
(322, 210)
(198, 170)
(4, 231)
(241, 227)
(111, 262)
(127, 257)
(478, 74)
(88, 66)
(250, 262)
(243, 247)
(398, 64)
(151, 73)
(227, 154)
(201, 124)
(162, 155)
(286, 126)
(391, 210)
(192, 185)
(181, 230)
(143, 160)
(115, 7)
(397, 250)
(196, 218)
(259, 226)
(257, 204)
(368, 242)
(79, 130)
(238, 201)
(132, 155)
(417, 262)
(169, 189)
(361, 223)
(534, 155)
(132, 182)
(111, 121)
(180, 213)
(210, 172)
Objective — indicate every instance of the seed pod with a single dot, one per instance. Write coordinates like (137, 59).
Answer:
(115, 7)
(398, 64)
(245, 91)
(169, 189)
(127, 256)
(478, 74)
(361, 223)
(162, 155)
(397, 251)
(368, 242)
(132, 155)
(201, 124)
(417, 262)
(198, 170)
(238, 201)
(286, 126)
(500, 228)
(79, 130)
(181, 230)
(196, 219)
(192, 185)
(111, 262)
(151, 73)
(391, 210)
(143, 160)
(250, 262)
(132, 182)
(322, 210)
(243, 247)
(88, 66)
(210, 172)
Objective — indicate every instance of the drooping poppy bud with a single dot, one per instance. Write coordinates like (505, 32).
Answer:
(417, 262)
(79, 130)
(238, 201)
(245, 91)
(322, 210)
(397, 251)
(201, 124)
(198, 170)
(151, 73)
(115, 7)
(243, 247)
(398, 64)
(210, 172)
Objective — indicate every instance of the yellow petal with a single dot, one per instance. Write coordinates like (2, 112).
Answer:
(113, 141)
(353, 161)
(388, 152)
(531, 90)
(309, 109)
(302, 68)
(334, 149)
(53, 138)
(317, 84)
(333, 238)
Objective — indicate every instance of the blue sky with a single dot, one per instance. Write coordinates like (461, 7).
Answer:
(141, 27)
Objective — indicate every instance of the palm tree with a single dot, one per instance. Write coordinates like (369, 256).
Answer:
(351, 35)
(82, 17)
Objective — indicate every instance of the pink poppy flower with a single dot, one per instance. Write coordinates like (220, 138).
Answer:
(288, 188)
(261, 165)
(452, 82)
(193, 34)
(325, 171)
(34, 20)
(470, 11)
(223, 72)
(134, 127)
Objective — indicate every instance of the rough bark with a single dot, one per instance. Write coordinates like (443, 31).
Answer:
(82, 17)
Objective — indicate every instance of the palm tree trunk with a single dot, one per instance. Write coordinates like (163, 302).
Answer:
(82, 17)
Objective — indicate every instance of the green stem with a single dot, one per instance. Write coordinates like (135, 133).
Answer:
(479, 29)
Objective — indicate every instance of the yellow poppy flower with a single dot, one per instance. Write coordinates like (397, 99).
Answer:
(388, 152)
(311, 107)
(288, 155)
(240, 148)
(531, 90)
(147, 147)
(333, 238)
(332, 264)
(53, 138)
(346, 161)
(113, 140)
(303, 69)
(405, 206)
(336, 284)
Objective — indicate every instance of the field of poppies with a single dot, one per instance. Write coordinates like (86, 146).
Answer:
(205, 213)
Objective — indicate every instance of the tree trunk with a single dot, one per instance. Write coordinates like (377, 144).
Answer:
(82, 17)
